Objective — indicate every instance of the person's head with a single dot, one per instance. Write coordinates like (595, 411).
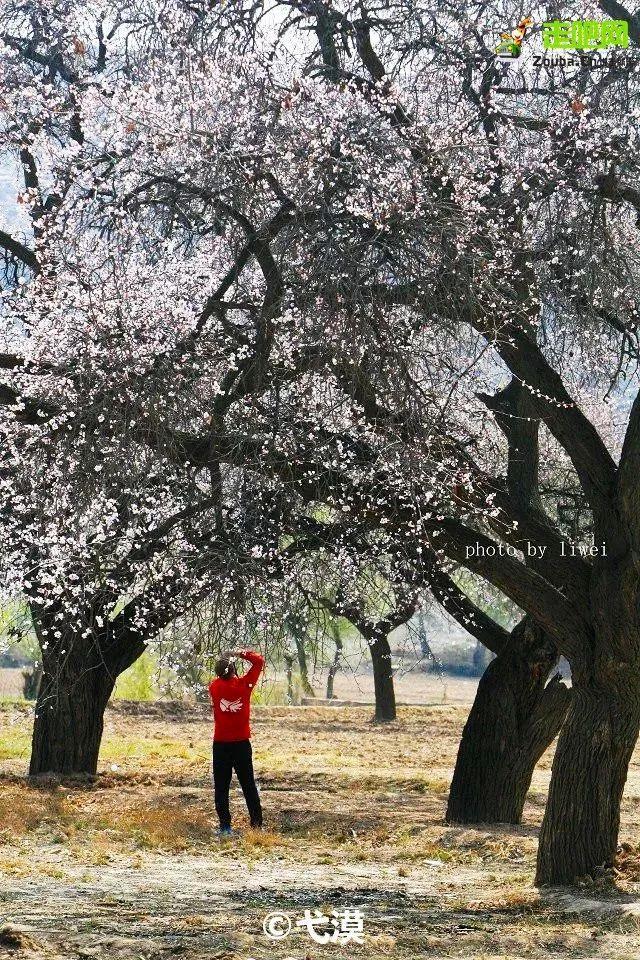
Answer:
(226, 668)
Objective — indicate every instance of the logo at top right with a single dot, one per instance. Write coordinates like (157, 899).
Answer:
(585, 34)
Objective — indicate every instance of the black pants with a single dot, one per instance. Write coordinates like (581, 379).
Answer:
(228, 757)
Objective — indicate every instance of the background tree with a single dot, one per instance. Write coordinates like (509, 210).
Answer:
(334, 666)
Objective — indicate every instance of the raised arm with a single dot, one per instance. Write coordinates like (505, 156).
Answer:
(257, 664)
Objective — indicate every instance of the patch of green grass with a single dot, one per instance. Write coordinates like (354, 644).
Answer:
(153, 749)
(274, 694)
(428, 785)
(138, 682)
(15, 744)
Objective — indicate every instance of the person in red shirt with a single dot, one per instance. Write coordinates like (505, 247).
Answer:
(230, 698)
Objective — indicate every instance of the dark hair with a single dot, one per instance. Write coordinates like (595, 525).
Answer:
(225, 668)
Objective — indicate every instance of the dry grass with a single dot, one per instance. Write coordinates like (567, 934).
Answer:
(166, 826)
(24, 809)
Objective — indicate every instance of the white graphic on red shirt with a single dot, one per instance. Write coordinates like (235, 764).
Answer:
(231, 706)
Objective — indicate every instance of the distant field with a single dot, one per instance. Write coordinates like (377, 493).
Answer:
(410, 687)
(10, 682)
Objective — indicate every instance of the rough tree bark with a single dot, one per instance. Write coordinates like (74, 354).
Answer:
(515, 716)
(78, 677)
(68, 724)
(579, 834)
(580, 828)
(385, 695)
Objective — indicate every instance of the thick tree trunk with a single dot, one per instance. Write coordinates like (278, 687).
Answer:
(579, 832)
(515, 716)
(79, 672)
(68, 722)
(383, 680)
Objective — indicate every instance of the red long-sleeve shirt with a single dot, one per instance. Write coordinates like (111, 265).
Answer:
(231, 701)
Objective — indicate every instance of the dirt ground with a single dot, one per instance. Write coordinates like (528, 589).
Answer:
(130, 866)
